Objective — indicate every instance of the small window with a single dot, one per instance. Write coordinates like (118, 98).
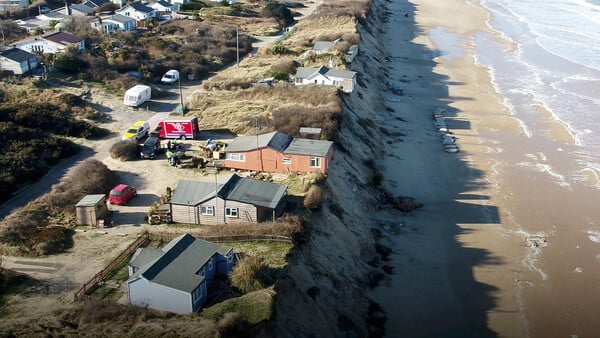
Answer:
(287, 160)
(208, 210)
(236, 157)
(315, 162)
(231, 212)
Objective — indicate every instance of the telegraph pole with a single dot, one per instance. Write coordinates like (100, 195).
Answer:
(180, 94)
(237, 43)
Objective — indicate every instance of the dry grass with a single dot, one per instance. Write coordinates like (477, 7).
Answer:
(250, 274)
(314, 198)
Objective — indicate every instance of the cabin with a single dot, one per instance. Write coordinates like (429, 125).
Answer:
(178, 277)
(139, 12)
(234, 200)
(325, 76)
(91, 209)
(278, 152)
(18, 61)
(50, 43)
(113, 23)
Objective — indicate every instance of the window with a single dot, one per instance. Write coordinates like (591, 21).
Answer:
(208, 210)
(315, 162)
(237, 157)
(287, 160)
(231, 212)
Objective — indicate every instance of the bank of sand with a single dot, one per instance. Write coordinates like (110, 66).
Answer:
(457, 272)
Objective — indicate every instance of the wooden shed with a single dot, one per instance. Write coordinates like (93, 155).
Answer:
(90, 209)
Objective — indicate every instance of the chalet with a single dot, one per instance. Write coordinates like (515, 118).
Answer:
(12, 5)
(327, 77)
(178, 277)
(351, 53)
(236, 200)
(113, 23)
(79, 10)
(18, 61)
(162, 7)
(321, 47)
(278, 152)
(139, 12)
(50, 43)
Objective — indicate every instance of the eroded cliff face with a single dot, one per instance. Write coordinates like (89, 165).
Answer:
(324, 291)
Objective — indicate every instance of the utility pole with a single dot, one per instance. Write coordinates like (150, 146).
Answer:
(180, 94)
(237, 43)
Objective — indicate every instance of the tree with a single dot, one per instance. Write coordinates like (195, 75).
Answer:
(68, 61)
(279, 12)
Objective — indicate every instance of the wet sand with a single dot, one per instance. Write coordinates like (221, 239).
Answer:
(501, 246)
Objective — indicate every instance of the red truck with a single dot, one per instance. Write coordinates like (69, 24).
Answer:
(181, 128)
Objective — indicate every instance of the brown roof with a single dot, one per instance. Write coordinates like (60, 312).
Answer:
(63, 37)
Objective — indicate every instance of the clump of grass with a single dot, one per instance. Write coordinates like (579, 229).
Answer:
(250, 274)
(124, 150)
(313, 200)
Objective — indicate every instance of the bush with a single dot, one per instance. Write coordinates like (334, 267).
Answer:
(285, 66)
(314, 198)
(124, 150)
(250, 274)
(278, 11)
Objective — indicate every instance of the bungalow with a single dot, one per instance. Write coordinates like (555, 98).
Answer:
(236, 200)
(50, 43)
(321, 47)
(139, 12)
(12, 5)
(278, 152)
(162, 8)
(327, 77)
(179, 276)
(78, 10)
(18, 61)
(113, 23)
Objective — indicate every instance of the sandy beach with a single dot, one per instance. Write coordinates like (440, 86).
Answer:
(470, 262)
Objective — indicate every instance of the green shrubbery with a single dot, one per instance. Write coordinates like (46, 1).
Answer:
(250, 274)
(124, 150)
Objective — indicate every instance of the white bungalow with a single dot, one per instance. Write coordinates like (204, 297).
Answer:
(327, 77)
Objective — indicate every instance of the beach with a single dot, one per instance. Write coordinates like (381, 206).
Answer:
(506, 242)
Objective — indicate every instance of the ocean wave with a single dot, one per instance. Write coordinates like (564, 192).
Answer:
(594, 236)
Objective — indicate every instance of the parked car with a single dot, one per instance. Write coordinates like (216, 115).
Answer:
(150, 147)
(138, 130)
(170, 77)
(121, 194)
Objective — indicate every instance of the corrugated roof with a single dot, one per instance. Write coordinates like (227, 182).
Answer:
(193, 192)
(90, 200)
(302, 146)
(246, 190)
(179, 263)
(275, 140)
(17, 55)
(234, 188)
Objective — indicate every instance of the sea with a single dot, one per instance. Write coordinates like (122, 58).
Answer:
(543, 57)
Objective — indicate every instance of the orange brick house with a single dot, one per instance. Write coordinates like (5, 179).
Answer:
(278, 152)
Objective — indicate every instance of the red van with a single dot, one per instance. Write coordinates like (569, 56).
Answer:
(121, 194)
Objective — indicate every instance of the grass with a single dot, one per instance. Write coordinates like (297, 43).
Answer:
(252, 307)
(111, 289)
(272, 252)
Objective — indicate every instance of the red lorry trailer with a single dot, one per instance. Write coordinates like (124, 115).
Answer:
(181, 128)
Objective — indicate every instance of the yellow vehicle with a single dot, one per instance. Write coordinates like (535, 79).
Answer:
(138, 130)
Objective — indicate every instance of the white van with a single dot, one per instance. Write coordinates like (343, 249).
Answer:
(137, 95)
(171, 76)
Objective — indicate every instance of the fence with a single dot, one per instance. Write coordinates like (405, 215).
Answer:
(146, 237)
(101, 276)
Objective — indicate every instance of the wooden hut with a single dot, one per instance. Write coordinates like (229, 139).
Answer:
(90, 209)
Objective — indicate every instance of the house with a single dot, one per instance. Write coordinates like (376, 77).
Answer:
(351, 53)
(18, 61)
(235, 200)
(326, 76)
(278, 152)
(178, 277)
(162, 8)
(113, 23)
(79, 10)
(321, 47)
(13, 5)
(139, 12)
(177, 4)
(91, 209)
(50, 43)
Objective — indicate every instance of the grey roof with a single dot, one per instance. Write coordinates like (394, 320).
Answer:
(193, 192)
(138, 6)
(234, 188)
(144, 256)
(276, 140)
(120, 18)
(304, 146)
(82, 8)
(164, 3)
(246, 190)
(95, 3)
(180, 262)
(307, 72)
(323, 45)
(17, 55)
(63, 38)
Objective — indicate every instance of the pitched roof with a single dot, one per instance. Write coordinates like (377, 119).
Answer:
(119, 18)
(276, 140)
(304, 146)
(82, 8)
(95, 3)
(179, 263)
(138, 6)
(144, 256)
(63, 38)
(234, 188)
(163, 3)
(17, 55)
(307, 72)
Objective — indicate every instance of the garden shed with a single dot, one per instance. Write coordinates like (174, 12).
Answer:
(90, 209)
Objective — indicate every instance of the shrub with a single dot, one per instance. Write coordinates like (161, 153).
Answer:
(278, 11)
(285, 66)
(232, 325)
(314, 198)
(280, 49)
(124, 150)
(249, 274)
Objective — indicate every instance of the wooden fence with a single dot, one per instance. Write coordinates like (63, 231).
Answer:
(146, 237)
(101, 276)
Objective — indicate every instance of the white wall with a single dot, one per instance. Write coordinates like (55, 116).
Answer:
(144, 293)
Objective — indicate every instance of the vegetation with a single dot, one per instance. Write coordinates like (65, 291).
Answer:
(38, 228)
(251, 308)
(126, 150)
(250, 274)
(313, 200)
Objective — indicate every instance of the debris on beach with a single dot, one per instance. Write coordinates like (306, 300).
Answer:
(536, 241)
(578, 270)
(406, 204)
(439, 122)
